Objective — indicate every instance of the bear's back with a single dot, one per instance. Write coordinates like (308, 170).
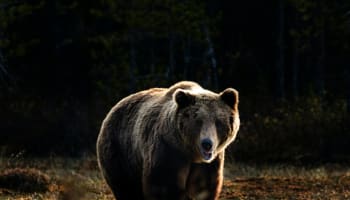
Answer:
(184, 85)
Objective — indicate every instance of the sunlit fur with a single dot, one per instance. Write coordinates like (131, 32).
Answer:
(149, 143)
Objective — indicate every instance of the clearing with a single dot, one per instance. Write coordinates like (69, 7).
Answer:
(80, 179)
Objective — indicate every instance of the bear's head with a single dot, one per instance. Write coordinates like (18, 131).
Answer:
(206, 122)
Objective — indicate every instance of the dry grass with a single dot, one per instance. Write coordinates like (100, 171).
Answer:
(24, 180)
(286, 182)
(67, 179)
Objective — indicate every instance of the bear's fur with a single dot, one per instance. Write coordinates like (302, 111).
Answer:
(168, 143)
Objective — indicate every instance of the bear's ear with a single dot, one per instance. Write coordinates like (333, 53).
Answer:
(230, 97)
(183, 98)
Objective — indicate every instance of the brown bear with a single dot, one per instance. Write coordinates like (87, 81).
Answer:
(168, 143)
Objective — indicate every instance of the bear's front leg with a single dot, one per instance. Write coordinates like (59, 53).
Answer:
(165, 183)
(165, 174)
(205, 179)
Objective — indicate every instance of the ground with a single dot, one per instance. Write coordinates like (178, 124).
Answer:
(80, 179)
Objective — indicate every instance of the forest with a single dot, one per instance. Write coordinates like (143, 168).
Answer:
(64, 64)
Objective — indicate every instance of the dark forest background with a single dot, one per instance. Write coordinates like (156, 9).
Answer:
(64, 64)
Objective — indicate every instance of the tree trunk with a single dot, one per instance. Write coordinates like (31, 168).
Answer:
(3, 71)
(187, 57)
(153, 65)
(171, 67)
(280, 79)
(319, 72)
(133, 64)
(211, 55)
(53, 29)
(295, 62)
(295, 70)
(347, 70)
(347, 86)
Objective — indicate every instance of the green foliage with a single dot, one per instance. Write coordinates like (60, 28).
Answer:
(307, 130)
(313, 16)
(71, 61)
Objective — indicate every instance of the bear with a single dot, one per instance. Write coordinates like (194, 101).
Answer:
(168, 143)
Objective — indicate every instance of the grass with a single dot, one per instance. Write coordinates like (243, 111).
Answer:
(68, 179)
(330, 181)
(25, 180)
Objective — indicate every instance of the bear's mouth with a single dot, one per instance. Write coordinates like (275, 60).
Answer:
(207, 155)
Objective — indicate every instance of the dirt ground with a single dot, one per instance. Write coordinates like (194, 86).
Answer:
(80, 179)
(269, 182)
(287, 188)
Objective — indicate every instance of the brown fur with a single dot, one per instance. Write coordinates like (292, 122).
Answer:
(151, 143)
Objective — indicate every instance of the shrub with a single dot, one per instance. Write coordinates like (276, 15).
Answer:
(306, 130)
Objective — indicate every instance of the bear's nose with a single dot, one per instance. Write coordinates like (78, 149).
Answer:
(207, 144)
